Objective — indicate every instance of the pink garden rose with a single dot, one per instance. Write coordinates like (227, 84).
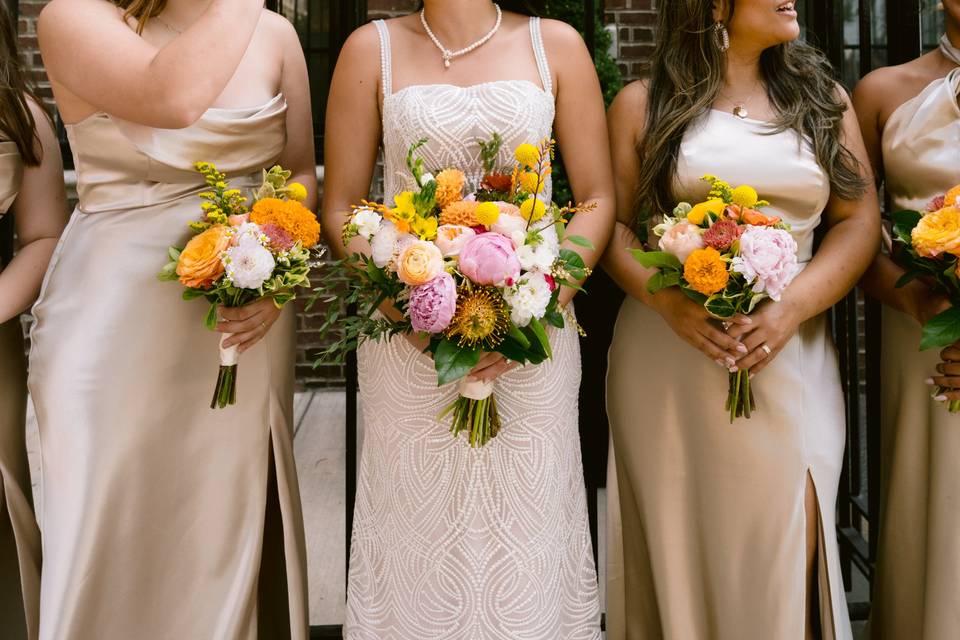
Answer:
(433, 305)
(767, 260)
(489, 259)
(452, 237)
(681, 240)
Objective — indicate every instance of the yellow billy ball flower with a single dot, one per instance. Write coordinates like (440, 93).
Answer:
(297, 191)
(714, 206)
(533, 209)
(527, 155)
(745, 196)
(487, 214)
(531, 182)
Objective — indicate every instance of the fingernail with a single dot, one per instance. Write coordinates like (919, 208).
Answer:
(733, 369)
(940, 398)
(742, 348)
(929, 381)
(721, 363)
(731, 362)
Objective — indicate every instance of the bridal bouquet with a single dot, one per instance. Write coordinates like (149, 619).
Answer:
(240, 254)
(476, 268)
(728, 256)
(931, 247)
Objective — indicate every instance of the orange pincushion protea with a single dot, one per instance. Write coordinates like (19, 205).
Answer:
(463, 213)
(289, 215)
(450, 183)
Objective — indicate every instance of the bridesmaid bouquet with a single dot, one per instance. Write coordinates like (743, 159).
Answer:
(728, 256)
(476, 268)
(931, 247)
(240, 254)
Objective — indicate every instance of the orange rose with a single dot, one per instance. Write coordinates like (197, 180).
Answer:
(199, 265)
(747, 215)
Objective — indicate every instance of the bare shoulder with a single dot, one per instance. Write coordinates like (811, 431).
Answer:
(632, 98)
(557, 33)
(363, 42)
(884, 90)
(277, 25)
(59, 15)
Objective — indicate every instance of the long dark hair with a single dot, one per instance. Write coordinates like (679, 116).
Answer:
(525, 7)
(17, 123)
(686, 77)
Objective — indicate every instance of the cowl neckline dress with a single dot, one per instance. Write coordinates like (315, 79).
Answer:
(161, 518)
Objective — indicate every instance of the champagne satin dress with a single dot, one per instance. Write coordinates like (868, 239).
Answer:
(917, 590)
(19, 536)
(714, 525)
(161, 517)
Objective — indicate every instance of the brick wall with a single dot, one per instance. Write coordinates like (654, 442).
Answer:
(634, 21)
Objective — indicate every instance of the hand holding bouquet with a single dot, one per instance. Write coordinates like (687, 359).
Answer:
(476, 268)
(239, 255)
(931, 246)
(727, 256)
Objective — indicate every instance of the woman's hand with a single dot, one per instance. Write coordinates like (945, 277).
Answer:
(949, 378)
(248, 324)
(774, 323)
(691, 322)
(491, 367)
(928, 305)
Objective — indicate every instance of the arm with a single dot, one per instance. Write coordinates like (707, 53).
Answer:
(849, 247)
(580, 129)
(915, 299)
(99, 60)
(40, 213)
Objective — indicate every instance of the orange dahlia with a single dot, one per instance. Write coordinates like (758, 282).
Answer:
(706, 271)
(463, 213)
(289, 215)
(450, 183)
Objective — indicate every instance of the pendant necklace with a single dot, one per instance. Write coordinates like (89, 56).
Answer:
(449, 56)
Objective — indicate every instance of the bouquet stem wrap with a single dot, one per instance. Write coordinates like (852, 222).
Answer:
(474, 411)
(225, 392)
(740, 401)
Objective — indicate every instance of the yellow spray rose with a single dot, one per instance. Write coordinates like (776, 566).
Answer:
(200, 265)
(938, 233)
(419, 263)
(713, 206)
(488, 213)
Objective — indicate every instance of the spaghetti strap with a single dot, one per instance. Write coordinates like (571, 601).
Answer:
(386, 64)
(541, 54)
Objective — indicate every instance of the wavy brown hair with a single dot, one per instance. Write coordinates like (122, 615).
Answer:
(17, 123)
(686, 77)
(141, 10)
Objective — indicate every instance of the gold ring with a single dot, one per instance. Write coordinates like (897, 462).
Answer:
(766, 349)
(726, 325)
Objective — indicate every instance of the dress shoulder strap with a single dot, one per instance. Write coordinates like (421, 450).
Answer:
(386, 58)
(540, 52)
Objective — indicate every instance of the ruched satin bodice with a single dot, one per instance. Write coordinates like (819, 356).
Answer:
(121, 164)
(11, 174)
(781, 167)
(163, 518)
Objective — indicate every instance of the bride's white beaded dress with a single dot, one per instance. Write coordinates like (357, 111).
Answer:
(448, 541)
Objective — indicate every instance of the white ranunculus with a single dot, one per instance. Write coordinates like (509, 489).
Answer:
(382, 244)
(367, 222)
(248, 265)
(528, 299)
(537, 257)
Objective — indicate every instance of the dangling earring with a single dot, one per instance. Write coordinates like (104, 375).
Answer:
(721, 36)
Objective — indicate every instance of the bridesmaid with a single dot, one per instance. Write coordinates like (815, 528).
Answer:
(911, 123)
(31, 186)
(728, 530)
(163, 518)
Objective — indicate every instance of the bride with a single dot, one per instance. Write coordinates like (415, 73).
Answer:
(451, 541)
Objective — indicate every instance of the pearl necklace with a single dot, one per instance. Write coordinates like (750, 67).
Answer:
(448, 56)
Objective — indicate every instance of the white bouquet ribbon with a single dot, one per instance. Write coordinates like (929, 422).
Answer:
(475, 389)
(229, 356)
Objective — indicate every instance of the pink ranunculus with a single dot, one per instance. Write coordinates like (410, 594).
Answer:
(489, 259)
(767, 260)
(722, 234)
(452, 237)
(432, 305)
(681, 240)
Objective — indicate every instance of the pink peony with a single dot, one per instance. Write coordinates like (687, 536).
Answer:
(279, 239)
(767, 260)
(452, 237)
(489, 259)
(681, 240)
(433, 305)
(722, 235)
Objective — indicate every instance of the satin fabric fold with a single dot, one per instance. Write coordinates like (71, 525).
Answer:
(917, 588)
(155, 508)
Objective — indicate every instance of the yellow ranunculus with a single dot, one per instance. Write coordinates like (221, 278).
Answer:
(488, 213)
(706, 271)
(938, 233)
(533, 209)
(199, 265)
(403, 213)
(713, 206)
(419, 263)
(527, 155)
(745, 196)
(297, 191)
(425, 228)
